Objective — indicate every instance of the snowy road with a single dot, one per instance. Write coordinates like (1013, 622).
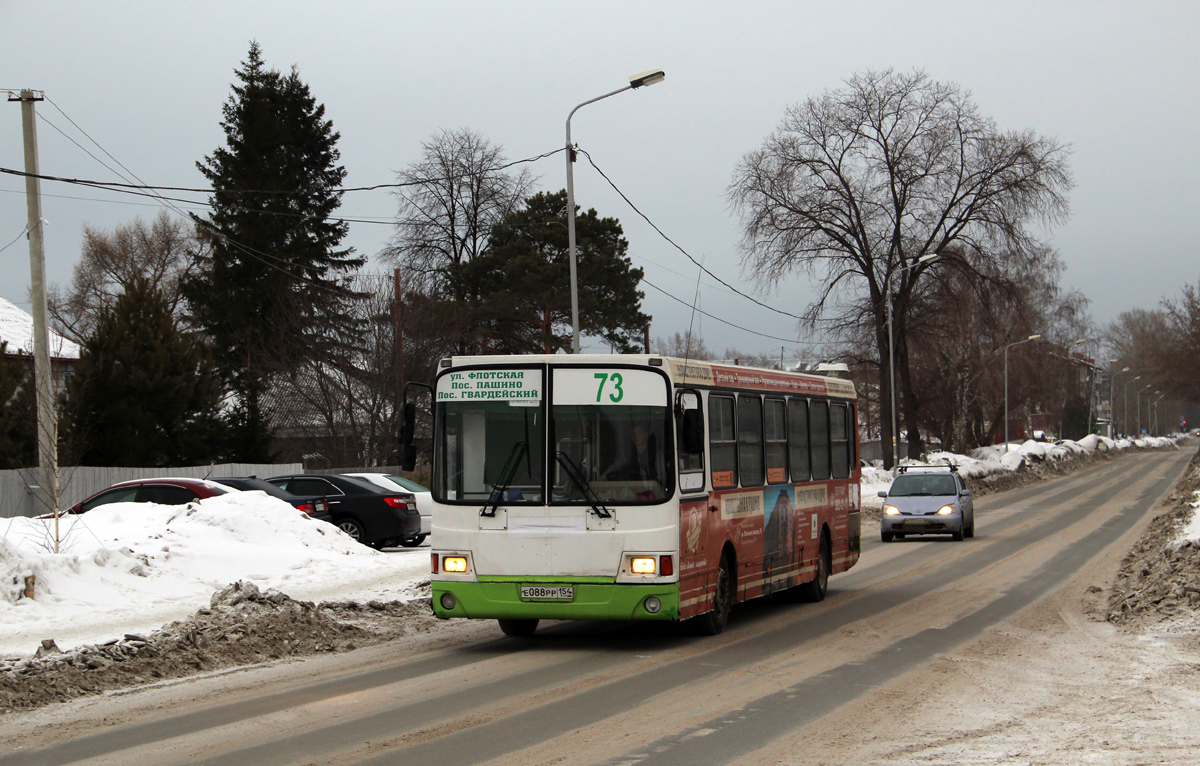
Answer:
(913, 658)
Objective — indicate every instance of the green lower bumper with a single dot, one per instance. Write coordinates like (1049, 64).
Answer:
(594, 599)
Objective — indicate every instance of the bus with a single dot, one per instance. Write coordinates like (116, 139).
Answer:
(635, 487)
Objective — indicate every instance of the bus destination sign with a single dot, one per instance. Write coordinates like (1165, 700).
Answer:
(490, 385)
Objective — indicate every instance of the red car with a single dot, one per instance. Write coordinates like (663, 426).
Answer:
(161, 491)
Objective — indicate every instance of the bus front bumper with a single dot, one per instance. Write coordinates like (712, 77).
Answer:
(592, 599)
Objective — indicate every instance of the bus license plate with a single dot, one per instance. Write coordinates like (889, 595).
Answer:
(550, 592)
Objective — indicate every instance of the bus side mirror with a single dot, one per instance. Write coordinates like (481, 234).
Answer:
(408, 449)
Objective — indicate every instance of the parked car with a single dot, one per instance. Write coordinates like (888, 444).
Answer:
(164, 491)
(372, 515)
(315, 507)
(927, 500)
(391, 481)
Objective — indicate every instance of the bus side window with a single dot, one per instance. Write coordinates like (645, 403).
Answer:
(852, 430)
(798, 439)
(839, 441)
(819, 445)
(776, 437)
(690, 438)
(722, 448)
(750, 440)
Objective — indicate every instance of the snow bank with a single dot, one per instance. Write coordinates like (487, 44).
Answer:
(1192, 531)
(131, 567)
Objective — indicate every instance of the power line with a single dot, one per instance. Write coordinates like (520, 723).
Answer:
(112, 185)
(662, 234)
(24, 229)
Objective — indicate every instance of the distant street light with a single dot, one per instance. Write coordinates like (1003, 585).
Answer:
(1138, 402)
(1155, 420)
(1125, 408)
(887, 288)
(649, 77)
(1006, 348)
(1112, 398)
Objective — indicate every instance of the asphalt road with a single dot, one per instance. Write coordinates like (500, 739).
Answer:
(639, 694)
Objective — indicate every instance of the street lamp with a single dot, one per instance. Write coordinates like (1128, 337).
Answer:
(887, 288)
(1125, 408)
(1155, 405)
(1112, 397)
(649, 77)
(1138, 403)
(1006, 348)
(1091, 377)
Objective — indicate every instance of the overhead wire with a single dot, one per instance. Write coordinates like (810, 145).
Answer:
(154, 192)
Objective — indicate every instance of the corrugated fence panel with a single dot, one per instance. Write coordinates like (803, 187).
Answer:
(80, 482)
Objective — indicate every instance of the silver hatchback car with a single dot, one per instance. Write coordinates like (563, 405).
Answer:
(927, 500)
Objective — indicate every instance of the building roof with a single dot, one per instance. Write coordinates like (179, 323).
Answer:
(16, 327)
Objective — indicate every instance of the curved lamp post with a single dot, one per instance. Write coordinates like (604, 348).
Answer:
(887, 288)
(1006, 348)
(1138, 403)
(1112, 398)
(1125, 408)
(1154, 427)
(649, 77)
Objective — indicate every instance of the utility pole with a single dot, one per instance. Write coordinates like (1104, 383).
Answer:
(47, 430)
(398, 318)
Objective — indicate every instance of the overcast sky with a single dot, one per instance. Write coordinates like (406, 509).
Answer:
(146, 81)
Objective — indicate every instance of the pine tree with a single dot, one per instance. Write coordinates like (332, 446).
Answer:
(272, 292)
(521, 286)
(143, 394)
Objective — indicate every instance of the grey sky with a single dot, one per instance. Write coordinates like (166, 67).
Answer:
(146, 80)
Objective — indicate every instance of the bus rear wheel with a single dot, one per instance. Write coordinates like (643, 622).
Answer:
(712, 623)
(815, 589)
(518, 628)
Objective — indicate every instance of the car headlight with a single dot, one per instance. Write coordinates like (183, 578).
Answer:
(891, 510)
(946, 510)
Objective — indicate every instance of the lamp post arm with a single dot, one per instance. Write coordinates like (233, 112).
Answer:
(571, 219)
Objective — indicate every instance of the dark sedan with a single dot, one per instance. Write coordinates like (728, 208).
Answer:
(313, 506)
(370, 514)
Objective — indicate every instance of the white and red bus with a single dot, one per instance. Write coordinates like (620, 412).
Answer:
(636, 487)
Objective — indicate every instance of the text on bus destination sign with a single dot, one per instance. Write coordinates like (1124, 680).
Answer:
(490, 384)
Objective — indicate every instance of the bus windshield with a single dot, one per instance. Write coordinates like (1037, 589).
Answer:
(620, 454)
(490, 438)
(611, 438)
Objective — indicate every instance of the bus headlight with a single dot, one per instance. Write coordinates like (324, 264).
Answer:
(455, 564)
(946, 510)
(644, 565)
(652, 605)
(891, 510)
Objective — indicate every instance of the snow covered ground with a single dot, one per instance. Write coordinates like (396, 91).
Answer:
(131, 568)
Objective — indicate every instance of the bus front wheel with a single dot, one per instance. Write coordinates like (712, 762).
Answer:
(518, 628)
(712, 623)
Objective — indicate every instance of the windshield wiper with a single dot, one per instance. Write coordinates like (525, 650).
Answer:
(575, 474)
(507, 473)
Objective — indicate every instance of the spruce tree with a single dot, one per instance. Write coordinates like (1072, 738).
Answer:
(521, 289)
(143, 393)
(18, 429)
(272, 292)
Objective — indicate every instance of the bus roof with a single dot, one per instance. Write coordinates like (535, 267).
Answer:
(689, 372)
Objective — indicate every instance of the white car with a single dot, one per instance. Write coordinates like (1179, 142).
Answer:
(399, 483)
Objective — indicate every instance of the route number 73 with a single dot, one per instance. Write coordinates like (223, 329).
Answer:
(613, 381)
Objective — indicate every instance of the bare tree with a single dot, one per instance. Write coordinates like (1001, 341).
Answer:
(854, 187)
(683, 345)
(454, 195)
(162, 252)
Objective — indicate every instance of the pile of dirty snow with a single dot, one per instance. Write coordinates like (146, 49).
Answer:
(1158, 584)
(132, 567)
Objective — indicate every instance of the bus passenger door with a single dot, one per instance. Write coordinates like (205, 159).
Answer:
(694, 520)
